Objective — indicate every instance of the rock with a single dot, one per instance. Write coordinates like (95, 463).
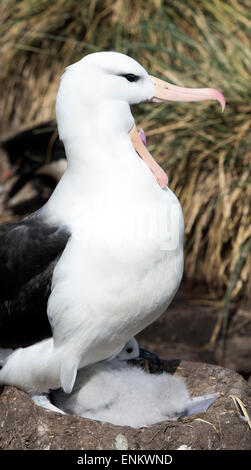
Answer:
(24, 425)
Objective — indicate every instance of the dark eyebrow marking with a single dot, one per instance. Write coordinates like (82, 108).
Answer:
(130, 77)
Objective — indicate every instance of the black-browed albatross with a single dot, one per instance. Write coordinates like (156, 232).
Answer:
(106, 250)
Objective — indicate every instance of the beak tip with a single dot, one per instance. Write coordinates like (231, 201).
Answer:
(223, 104)
(220, 98)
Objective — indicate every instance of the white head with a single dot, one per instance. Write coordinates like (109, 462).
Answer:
(114, 76)
(101, 84)
(96, 92)
(130, 351)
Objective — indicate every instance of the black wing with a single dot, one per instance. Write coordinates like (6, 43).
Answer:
(29, 252)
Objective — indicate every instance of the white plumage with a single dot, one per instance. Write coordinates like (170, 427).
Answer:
(124, 395)
(123, 261)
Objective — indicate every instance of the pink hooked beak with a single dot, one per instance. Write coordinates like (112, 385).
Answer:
(164, 91)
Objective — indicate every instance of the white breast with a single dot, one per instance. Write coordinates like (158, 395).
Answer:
(119, 271)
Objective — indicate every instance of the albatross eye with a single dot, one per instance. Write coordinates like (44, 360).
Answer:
(131, 77)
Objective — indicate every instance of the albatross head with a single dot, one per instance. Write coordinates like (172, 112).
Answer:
(96, 92)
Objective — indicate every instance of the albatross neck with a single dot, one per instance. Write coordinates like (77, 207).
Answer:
(101, 160)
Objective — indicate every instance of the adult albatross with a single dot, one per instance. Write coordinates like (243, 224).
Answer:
(106, 250)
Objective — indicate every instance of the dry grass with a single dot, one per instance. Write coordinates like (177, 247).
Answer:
(206, 153)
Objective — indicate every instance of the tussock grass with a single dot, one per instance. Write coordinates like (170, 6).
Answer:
(206, 153)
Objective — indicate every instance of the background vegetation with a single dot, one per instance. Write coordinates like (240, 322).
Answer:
(206, 153)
